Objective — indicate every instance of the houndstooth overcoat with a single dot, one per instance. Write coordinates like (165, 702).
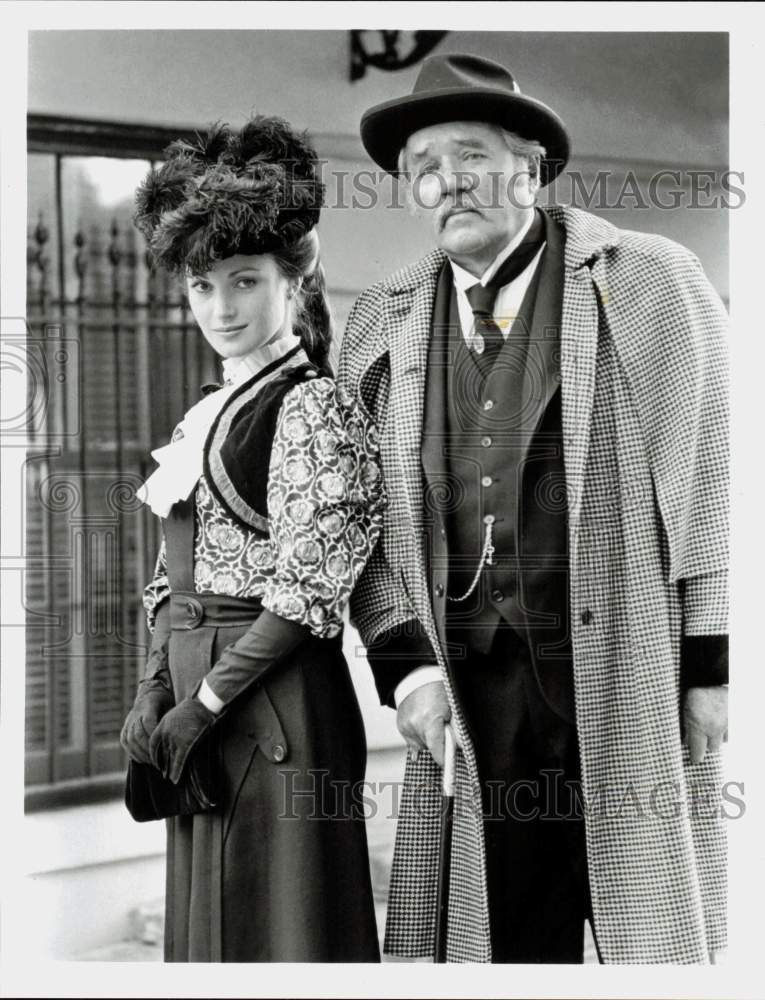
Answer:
(644, 396)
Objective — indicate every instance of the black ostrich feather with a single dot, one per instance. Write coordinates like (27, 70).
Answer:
(258, 188)
(207, 149)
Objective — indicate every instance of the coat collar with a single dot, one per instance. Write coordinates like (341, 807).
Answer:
(587, 236)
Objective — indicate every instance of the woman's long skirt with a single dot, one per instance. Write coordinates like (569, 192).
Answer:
(279, 871)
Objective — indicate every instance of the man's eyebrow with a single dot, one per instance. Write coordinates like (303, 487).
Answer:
(471, 141)
(418, 154)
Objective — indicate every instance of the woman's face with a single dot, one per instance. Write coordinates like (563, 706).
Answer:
(241, 304)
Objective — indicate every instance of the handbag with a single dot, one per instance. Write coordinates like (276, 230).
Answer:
(148, 795)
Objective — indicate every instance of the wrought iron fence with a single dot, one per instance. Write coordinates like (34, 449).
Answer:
(114, 361)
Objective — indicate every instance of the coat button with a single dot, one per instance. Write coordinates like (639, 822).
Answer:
(489, 519)
(487, 481)
(488, 404)
(439, 590)
(486, 442)
(278, 752)
(497, 595)
(586, 617)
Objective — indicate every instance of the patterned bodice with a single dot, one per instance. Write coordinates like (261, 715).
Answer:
(325, 504)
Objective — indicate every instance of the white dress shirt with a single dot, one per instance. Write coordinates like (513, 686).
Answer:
(509, 297)
(506, 308)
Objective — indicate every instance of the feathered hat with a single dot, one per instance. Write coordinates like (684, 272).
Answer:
(250, 191)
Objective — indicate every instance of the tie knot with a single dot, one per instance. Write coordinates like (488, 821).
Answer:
(481, 299)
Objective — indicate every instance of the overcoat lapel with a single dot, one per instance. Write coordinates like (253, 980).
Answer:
(408, 317)
(434, 460)
(578, 349)
(542, 369)
(579, 336)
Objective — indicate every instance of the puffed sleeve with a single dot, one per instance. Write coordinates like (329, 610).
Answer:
(158, 589)
(325, 504)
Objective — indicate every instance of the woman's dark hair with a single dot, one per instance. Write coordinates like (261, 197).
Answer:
(312, 321)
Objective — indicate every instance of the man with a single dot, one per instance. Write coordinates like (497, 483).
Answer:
(551, 579)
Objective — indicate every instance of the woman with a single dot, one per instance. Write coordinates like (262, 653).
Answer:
(271, 500)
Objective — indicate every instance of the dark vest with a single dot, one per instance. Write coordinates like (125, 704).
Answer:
(492, 448)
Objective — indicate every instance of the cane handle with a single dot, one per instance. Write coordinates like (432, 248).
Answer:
(450, 751)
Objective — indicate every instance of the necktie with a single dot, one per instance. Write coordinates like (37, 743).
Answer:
(482, 297)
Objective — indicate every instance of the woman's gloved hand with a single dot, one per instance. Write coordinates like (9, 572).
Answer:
(152, 701)
(176, 736)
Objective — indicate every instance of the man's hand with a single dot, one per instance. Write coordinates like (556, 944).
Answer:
(421, 718)
(705, 720)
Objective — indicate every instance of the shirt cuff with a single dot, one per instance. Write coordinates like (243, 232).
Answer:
(210, 699)
(417, 678)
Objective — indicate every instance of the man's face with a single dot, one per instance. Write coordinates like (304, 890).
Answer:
(474, 191)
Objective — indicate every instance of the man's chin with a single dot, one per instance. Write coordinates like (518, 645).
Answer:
(462, 244)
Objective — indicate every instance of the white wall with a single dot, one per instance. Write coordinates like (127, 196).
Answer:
(630, 100)
(668, 90)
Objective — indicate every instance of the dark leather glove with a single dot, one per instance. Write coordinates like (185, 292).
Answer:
(176, 736)
(266, 644)
(153, 700)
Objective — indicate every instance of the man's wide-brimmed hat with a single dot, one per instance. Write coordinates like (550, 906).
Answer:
(464, 88)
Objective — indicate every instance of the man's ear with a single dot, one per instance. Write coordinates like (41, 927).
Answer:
(535, 182)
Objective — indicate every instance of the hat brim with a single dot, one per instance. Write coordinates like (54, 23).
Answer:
(386, 127)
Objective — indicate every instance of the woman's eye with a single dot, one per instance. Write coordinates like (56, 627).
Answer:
(200, 286)
(473, 155)
(246, 283)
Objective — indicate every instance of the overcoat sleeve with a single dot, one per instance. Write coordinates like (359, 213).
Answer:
(679, 381)
(395, 640)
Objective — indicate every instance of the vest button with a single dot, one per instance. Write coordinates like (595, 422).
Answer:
(488, 404)
(486, 442)
(586, 617)
(487, 481)
(278, 752)
(497, 595)
(439, 590)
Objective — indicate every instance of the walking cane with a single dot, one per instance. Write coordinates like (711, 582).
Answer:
(445, 846)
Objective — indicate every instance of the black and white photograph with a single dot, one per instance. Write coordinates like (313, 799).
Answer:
(379, 590)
